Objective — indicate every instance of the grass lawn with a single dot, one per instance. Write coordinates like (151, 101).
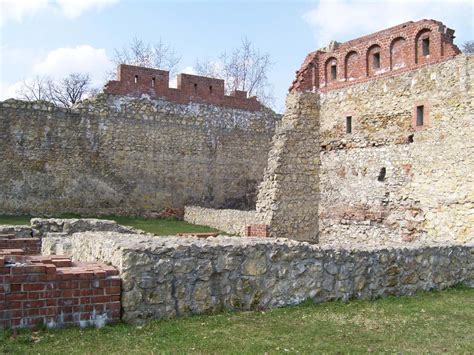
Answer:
(164, 226)
(430, 322)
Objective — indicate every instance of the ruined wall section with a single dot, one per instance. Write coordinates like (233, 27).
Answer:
(130, 156)
(289, 195)
(389, 52)
(174, 277)
(392, 178)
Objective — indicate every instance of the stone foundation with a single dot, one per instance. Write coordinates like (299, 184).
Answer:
(171, 276)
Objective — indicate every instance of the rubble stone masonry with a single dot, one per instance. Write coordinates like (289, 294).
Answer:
(172, 276)
(130, 156)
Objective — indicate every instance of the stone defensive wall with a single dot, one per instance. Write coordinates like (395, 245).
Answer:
(405, 47)
(130, 155)
(390, 158)
(384, 159)
(404, 167)
(165, 277)
(136, 81)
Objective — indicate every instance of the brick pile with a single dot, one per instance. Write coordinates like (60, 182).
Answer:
(54, 291)
(30, 246)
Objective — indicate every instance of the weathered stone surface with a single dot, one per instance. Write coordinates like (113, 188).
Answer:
(20, 231)
(129, 156)
(289, 194)
(428, 188)
(165, 277)
(229, 221)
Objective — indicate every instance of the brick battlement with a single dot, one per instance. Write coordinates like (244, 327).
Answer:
(136, 81)
(405, 47)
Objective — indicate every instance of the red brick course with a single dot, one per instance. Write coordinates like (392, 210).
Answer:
(257, 230)
(53, 291)
(30, 246)
(399, 49)
(136, 81)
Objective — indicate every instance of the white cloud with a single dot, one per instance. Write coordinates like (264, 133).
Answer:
(189, 70)
(17, 10)
(343, 20)
(61, 62)
(81, 59)
(74, 8)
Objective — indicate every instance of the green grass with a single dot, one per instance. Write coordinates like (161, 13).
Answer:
(429, 322)
(163, 226)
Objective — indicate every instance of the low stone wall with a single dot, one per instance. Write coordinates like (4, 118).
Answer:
(169, 276)
(68, 226)
(19, 231)
(229, 221)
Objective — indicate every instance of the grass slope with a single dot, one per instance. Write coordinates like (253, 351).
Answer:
(430, 322)
(164, 226)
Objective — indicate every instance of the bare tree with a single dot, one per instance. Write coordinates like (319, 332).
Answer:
(65, 92)
(70, 90)
(246, 68)
(157, 55)
(468, 47)
(35, 89)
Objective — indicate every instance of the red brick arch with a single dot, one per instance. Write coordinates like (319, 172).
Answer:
(329, 63)
(374, 48)
(399, 53)
(351, 68)
(420, 36)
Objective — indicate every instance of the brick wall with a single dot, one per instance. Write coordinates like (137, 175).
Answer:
(135, 81)
(257, 230)
(53, 291)
(384, 53)
(30, 246)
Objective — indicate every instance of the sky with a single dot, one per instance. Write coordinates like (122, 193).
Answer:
(58, 37)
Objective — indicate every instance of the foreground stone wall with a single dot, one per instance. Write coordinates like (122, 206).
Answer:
(169, 276)
(229, 221)
(129, 156)
(390, 178)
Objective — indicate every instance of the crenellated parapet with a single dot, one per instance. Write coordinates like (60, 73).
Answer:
(405, 47)
(137, 81)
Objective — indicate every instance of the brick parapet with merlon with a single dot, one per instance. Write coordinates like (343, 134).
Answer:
(408, 46)
(136, 81)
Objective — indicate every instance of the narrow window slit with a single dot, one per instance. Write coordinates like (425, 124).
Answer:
(382, 173)
(210, 89)
(376, 60)
(349, 124)
(195, 88)
(333, 72)
(420, 115)
(153, 82)
(426, 46)
(136, 79)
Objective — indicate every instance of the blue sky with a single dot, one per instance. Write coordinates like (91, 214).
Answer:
(57, 37)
